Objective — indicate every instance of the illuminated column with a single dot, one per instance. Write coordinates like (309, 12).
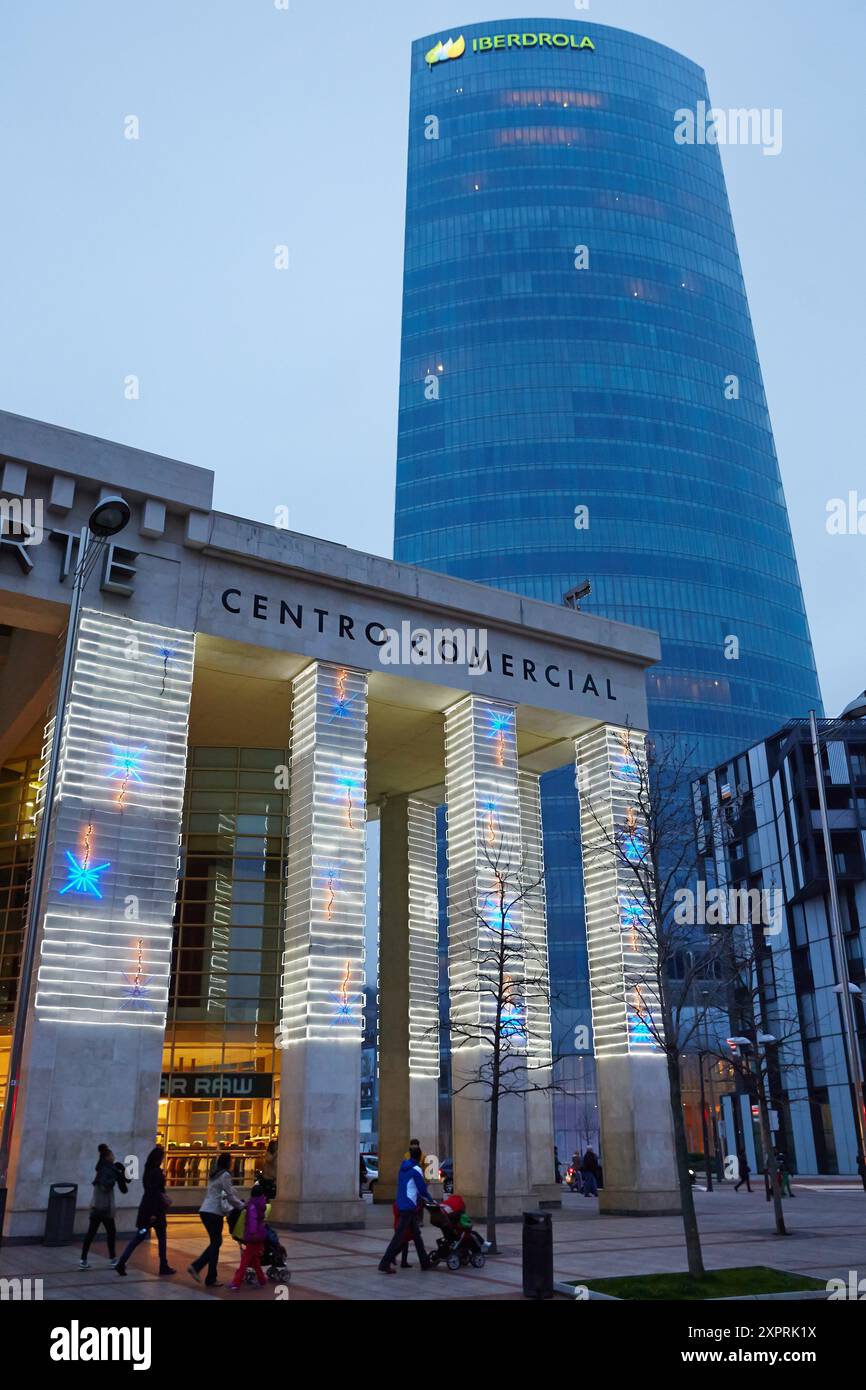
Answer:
(321, 1021)
(93, 1050)
(408, 986)
(539, 1102)
(634, 1099)
(484, 850)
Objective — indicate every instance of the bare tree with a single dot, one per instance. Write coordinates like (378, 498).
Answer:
(500, 1001)
(673, 972)
(763, 1027)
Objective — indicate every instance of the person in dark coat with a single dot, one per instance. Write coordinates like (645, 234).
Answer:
(411, 1188)
(109, 1174)
(151, 1212)
(745, 1170)
(590, 1170)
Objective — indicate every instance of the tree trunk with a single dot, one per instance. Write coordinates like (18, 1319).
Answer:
(690, 1220)
(491, 1160)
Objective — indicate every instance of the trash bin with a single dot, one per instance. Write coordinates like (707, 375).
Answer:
(537, 1254)
(60, 1216)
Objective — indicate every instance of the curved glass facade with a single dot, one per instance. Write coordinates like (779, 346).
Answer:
(576, 335)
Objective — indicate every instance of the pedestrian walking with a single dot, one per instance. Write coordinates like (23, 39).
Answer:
(557, 1167)
(220, 1199)
(404, 1248)
(590, 1172)
(575, 1180)
(109, 1175)
(362, 1174)
(784, 1171)
(269, 1169)
(151, 1212)
(745, 1170)
(411, 1188)
(253, 1238)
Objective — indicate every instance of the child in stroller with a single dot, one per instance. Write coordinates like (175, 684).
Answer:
(273, 1255)
(458, 1244)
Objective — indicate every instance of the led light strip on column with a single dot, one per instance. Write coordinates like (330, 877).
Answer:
(322, 987)
(611, 764)
(483, 836)
(109, 901)
(423, 941)
(535, 923)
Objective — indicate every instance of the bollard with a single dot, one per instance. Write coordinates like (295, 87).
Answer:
(60, 1216)
(537, 1254)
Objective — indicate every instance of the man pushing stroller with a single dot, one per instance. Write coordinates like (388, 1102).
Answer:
(411, 1188)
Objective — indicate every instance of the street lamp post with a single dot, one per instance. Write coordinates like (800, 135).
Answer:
(705, 1052)
(107, 518)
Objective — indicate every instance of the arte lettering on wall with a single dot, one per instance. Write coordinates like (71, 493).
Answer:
(117, 570)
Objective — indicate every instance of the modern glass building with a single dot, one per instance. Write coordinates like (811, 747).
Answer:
(580, 391)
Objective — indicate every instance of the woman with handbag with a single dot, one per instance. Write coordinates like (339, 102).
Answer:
(151, 1212)
(109, 1174)
(220, 1199)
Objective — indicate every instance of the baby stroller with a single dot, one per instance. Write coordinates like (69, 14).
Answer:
(458, 1244)
(274, 1255)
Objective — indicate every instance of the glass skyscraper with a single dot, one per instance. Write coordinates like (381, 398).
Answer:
(580, 391)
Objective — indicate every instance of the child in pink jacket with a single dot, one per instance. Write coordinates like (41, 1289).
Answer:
(254, 1237)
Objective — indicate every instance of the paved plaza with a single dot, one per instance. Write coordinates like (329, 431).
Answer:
(827, 1219)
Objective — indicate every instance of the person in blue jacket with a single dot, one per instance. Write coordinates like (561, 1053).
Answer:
(410, 1188)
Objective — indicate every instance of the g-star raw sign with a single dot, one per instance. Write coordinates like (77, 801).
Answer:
(207, 1085)
(488, 43)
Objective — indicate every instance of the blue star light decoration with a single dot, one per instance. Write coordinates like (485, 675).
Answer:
(341, 706)
(633, 911)
(82, 876)
(126, 765)
(127, 762)
(500, 721)
(135, 994)
(639, 1034)
(344, 1001)
(511, 1021)
(166, 653)
(349, 780)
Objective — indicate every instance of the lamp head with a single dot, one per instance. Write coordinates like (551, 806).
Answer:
(109, 516)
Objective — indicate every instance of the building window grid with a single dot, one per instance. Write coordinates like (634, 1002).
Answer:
(19, 783)
(225, 969)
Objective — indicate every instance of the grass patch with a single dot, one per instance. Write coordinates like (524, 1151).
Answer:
(718, 1283)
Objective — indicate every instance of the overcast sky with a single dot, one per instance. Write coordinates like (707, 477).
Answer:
(261, 126)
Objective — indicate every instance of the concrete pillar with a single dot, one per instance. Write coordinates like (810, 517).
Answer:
(93, 1048)
(637, 1139)
(408, 986)
(539, 1102)
(485, 867)
(321, 1024)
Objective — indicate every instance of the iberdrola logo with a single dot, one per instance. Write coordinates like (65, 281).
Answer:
(451, 48)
